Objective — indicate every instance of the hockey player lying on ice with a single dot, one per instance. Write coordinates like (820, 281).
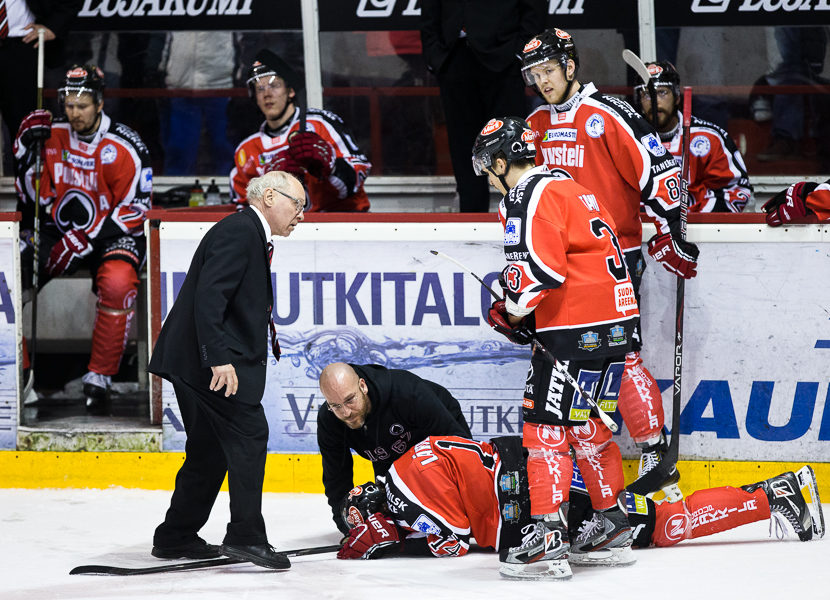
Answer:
(447, 490)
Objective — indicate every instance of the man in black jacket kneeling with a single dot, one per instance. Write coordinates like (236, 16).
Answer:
(379, 413)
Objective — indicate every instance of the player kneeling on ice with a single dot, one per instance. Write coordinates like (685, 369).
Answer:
(447, 490)
(95, 190)
(567, 285)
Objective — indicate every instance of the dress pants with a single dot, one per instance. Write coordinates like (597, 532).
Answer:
(223, 435)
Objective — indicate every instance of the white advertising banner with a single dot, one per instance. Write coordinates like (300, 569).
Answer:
(756, 356)
(10, 310)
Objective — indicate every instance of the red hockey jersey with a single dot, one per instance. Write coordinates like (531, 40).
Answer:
(603, 144)
(819, 201)
(719, 181)
(103, 186)
(566, 264)
(341, 192)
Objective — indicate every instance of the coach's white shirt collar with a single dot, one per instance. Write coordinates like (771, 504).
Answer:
(264, 223)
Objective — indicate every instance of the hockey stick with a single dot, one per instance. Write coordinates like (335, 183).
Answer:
(639, 66)
(30, 384)
(190, 566)
(651, 480)
(609, 422)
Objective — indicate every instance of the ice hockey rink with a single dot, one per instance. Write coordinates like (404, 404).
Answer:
(45, 533)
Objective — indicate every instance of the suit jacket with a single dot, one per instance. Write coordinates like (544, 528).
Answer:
(57, 15)
(497, 30)
(222, 312)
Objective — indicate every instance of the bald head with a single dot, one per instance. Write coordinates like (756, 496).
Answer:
(346, 394)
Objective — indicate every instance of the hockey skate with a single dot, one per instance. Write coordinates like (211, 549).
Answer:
(97, 392)
(652, 456)
(787, 503)
(605, 540)
(543, 555)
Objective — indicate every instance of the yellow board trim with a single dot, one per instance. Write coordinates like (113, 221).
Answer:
(303, 472)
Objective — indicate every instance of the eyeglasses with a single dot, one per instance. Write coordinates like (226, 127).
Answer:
(340, 408)
(298, 203)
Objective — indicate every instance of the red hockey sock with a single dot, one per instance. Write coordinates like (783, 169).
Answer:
(26, 363)
(640, 402)
(706, 512)
(117, 285)
(549, 467)
(600, 462)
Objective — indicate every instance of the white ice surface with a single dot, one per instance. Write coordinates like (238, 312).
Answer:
(45, 533)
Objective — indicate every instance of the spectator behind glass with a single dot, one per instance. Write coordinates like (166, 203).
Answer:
(198, 60)
(473, 50)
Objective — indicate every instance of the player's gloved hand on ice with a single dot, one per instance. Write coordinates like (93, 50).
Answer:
(521, 333)
(789, 204)
(283, 161)
(37, 125)
(675, 254)
(370, 539)
(312, 152)
(67, 254)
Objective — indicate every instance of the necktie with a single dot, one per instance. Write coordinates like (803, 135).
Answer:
(4, 21)
(275, 343)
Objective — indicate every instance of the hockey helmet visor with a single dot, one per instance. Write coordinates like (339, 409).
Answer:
(665, 77)
(552, 45)
(88, 79)
(260, 73)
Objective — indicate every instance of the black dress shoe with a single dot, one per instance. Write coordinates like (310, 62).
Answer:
(263, 555)
(198, 549)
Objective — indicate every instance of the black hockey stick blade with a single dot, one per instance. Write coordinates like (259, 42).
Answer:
(189, 566)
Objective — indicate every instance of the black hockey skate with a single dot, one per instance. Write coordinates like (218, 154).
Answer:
(544, 553)
(604, 540)
(97, 392)
(651, 459)
(786, 502)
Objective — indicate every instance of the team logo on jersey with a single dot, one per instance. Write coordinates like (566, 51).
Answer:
(109, 154)
(654, 69)
(617, 337)
(425, 525)
(532, 45)
(492, 126)
(511, 512)
(700, 146)
(241, 158)
(75, 210)
(560, 135)
(589, 341)
(595, 125)
(512, 231)
(563, 35)
(82, 162)
(513, 278)
(146, 180)
(653, 145)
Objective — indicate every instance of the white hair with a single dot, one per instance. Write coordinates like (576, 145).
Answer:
(278, 180)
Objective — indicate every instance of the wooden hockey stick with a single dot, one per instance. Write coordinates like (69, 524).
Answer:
(609, 422)
(639, 66)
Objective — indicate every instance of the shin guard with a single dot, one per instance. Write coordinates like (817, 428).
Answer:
(600, 462)
(549, 466)
(117, 285)
(640, 402)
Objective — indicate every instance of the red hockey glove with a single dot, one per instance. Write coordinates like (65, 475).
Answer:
(283, 161)
(313, 152)
(789, 204)
(520, 334)
(66, 255)
(37, 125)
(370, 539)
(677, 255)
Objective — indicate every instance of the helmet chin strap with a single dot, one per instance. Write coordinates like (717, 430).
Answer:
(501, 178)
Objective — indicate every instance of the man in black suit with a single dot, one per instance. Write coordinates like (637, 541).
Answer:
(473, 47)
(214, 338)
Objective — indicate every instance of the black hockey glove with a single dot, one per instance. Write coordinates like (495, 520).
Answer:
(521, 334)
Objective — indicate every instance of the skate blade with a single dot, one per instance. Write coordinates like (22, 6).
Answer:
(607, 557)
(549, 570)
(807, 480)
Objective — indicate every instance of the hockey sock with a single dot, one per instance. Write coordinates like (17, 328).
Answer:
(706, 512)
(117, 285)
(600, 462)
(640, 402)
(26, 363)
(549, 467)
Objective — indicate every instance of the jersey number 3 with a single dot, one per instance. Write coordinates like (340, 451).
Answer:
(615, 262)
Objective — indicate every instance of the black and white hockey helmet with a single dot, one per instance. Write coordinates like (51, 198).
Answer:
(266, 67)
(510, 138)
(552, 44)
(80, 80)
(362, 502)
(663, 74)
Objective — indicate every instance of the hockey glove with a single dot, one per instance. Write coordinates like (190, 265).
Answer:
(675, 254)
(789, 204)
(313, 152)
(283, 161)
(66, 255)
(370, 539)
(36, 126)
(521, 334)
